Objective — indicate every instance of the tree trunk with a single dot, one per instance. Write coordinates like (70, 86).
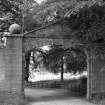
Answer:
(27, 58)
(62, 69)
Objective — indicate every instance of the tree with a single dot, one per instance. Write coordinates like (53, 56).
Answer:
(75, 59)
(12, 11)
(88, 21)
(52, 60)
(85, 18)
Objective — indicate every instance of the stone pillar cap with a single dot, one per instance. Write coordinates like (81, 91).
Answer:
(15, 29)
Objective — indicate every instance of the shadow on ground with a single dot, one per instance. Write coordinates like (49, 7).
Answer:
(44, 95)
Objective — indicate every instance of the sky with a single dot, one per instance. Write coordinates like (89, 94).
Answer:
(39, 1)
(46, 48)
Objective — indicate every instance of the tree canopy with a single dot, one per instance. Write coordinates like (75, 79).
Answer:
(11, 11)
(85, 17)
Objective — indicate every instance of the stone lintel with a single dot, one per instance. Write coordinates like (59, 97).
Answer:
(13, 35)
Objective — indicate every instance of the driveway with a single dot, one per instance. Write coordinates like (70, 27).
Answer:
(53, 97)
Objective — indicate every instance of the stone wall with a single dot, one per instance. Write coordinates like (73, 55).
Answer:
(52, 31)
(58, 34)
(11, 87)
(96, 78)
(30, 43)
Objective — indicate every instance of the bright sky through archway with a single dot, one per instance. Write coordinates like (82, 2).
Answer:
(39, 1)
(46, 48)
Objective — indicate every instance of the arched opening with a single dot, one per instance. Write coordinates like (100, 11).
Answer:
(57, 67)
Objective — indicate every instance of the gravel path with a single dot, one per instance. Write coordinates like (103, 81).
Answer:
(53, 97)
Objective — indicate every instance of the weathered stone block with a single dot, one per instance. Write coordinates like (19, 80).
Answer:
(11, 80)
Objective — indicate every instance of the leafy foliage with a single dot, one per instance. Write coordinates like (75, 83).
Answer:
(12, 11)
(85, 18)
(75, 59)
(88, 21)
(52, 8)
(52, 60)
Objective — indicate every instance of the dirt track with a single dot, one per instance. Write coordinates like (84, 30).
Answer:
(53, 97)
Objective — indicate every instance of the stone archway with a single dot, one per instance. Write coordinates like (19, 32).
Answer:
(12, 59)
(11, 77)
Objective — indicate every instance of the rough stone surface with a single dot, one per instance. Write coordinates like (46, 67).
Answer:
(30, 43)
(11, 70)
(15, 29)
(52, 31)
(97, 78)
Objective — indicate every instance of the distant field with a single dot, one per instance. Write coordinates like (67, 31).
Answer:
(39, 76)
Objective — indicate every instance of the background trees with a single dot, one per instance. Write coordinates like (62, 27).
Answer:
(73, 58)
(12, 11)
(58, 60)
(9, 13)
